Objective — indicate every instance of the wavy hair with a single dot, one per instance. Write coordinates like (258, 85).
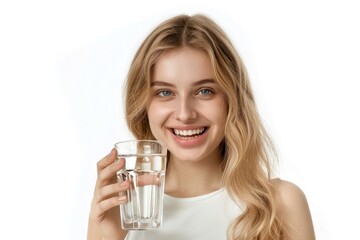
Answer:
(247, 150)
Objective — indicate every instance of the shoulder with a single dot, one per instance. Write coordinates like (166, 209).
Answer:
(289, 194)
(294, 210)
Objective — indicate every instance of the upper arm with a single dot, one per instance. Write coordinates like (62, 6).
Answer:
(294, 211)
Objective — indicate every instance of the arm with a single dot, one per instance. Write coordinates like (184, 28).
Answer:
(295, 212)
(104, 218)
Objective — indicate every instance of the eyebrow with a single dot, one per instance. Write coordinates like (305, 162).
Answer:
(197, 83)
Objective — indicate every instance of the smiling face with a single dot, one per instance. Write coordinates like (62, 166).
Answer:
(187, 109)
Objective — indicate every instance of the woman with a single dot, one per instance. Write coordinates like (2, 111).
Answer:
(188, 87)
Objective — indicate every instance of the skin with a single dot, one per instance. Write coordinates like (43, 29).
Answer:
(185, 97)
(104, 218)
(295, 211)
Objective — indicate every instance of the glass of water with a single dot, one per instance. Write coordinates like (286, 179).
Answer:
(145, 165)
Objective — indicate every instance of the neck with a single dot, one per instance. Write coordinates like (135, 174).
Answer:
(195, 178)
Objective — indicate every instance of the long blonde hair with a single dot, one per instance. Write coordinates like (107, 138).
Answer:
(247, 150)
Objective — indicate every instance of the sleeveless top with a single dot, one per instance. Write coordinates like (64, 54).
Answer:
(197, 218)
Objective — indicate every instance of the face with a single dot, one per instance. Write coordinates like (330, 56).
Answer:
(187, 109)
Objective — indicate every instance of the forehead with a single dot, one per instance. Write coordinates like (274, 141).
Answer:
(183, 64)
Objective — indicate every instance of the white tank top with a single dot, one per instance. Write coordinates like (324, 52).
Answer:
(197, 218)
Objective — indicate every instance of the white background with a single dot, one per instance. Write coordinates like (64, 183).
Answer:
(62, 67)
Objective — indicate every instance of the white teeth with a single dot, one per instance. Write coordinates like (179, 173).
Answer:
(189, 132)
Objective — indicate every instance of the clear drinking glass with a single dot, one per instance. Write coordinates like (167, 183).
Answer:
(145, 165)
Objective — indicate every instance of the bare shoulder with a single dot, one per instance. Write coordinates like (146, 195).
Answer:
(290, 195)
(294, 210)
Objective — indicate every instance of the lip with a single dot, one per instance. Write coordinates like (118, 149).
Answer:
(187, 127)
(189, 142)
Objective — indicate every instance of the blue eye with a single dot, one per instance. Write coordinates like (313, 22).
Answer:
(164, 93)
(205, 91)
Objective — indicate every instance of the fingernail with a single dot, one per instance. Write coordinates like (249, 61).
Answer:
(121, 198)
(123, 184)
(112, 151)
(119, 161)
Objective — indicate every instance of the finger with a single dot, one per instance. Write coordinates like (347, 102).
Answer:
(108, 174)
(148, 179)
(107, 160)
(98, 211)
(111, 190)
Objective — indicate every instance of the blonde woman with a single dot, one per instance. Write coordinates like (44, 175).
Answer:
(188, 87)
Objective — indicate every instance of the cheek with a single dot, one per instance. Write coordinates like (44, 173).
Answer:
(158, 110)
(216, 111)
(157, 113)
(151, 111)
(219, 117)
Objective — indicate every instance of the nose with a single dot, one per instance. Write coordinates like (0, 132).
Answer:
(186, 110)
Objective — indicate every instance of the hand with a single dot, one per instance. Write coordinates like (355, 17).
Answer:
(105, 214)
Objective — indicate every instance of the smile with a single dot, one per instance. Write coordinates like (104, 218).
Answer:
(189, 133)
